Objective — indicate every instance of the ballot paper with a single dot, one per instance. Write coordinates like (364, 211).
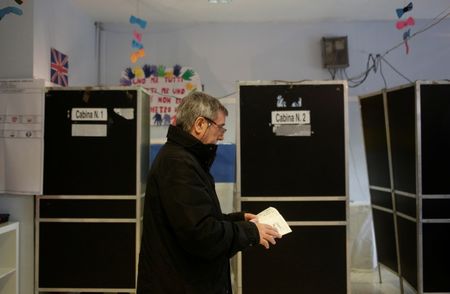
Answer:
(271, 216)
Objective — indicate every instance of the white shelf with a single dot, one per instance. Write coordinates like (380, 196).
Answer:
(9, 258)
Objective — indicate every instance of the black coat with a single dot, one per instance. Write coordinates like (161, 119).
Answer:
(187, 240)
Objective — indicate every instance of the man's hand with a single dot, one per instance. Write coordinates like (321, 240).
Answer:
(250, 216)
(267, 234)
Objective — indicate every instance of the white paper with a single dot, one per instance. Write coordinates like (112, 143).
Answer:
(21, 136)
(89, 130)
(271, 216)
(127, 113)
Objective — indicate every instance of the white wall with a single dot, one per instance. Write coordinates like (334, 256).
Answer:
(225, 53)
(358, 180)
(16, 42)
(60, 25)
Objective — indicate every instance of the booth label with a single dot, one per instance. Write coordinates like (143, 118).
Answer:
(89, 114)
(291, 117)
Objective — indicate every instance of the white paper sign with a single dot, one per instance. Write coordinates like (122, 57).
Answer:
(271, 216)
(89, 114)
(21, 136)
(291, 117)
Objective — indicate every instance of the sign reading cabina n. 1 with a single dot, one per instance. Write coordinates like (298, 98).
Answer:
(167, 87)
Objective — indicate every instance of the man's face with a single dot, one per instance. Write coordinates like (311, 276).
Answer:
(215, 129)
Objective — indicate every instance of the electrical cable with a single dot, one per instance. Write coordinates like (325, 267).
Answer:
(381, 73)
(227, 95)
(391, 66)
(357, 80)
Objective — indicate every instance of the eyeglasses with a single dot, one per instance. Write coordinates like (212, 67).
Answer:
(221, 128)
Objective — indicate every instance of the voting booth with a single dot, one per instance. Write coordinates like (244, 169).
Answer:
(407, 140)
(88, 220)
(292, 155)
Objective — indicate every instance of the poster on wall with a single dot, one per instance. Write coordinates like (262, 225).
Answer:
(21, 136)
(166, 85)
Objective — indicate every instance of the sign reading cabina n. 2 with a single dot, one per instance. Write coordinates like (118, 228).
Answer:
(167, 87)
(289, 120)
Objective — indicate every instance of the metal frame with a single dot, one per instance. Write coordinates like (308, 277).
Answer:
(238, 199)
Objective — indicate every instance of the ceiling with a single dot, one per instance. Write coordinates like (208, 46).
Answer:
(198, 11)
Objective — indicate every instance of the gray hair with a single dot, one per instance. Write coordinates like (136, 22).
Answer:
(197, 104)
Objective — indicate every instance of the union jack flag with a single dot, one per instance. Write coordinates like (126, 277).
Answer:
(59, 68)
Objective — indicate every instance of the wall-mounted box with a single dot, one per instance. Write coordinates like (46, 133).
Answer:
(335, 52)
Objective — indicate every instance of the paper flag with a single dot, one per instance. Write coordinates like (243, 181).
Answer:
(138, 21)
(136, 45)
(10, 9)
(401, 11)
(408, 22)
(136, 55)
(137, 36)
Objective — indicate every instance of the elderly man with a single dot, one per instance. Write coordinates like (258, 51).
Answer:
(187, 240)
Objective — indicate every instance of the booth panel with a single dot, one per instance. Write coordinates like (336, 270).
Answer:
(419, 129)
(435, 122)
(77, 208)
(87, 255)
(308, 260)
(305, 159)
(143, 140)
(436, 257)
(90, 142)
(407, 238)
(406, 205)
(402, 130)
(436, 208)
(385, 238)
(374, 128)
(302, 210)
(381, 198)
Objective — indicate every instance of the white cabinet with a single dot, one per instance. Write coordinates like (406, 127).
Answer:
(9, 258)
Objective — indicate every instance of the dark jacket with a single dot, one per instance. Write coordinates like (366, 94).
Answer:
(187, 240)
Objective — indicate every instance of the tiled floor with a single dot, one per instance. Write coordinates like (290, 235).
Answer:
(368, 282)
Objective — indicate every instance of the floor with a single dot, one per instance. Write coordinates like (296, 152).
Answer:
(368, 282)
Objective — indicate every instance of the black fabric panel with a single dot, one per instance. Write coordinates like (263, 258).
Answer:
(374, 128)
(407, 238)
(89, 165)
(381, 198)
(144, 141)
(436, 258)
(65, 208)
(87, 255)
(402, 127)
(435, 119)
(436, 208)
(292, 166)
(385, 238)
(308, 260)
(303, 210)
(406, 205)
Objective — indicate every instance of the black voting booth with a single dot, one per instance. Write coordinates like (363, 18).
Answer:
(88, 220)
(292, 155)
(407, 141)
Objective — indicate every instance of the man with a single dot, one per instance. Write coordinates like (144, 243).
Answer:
(187, 240)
